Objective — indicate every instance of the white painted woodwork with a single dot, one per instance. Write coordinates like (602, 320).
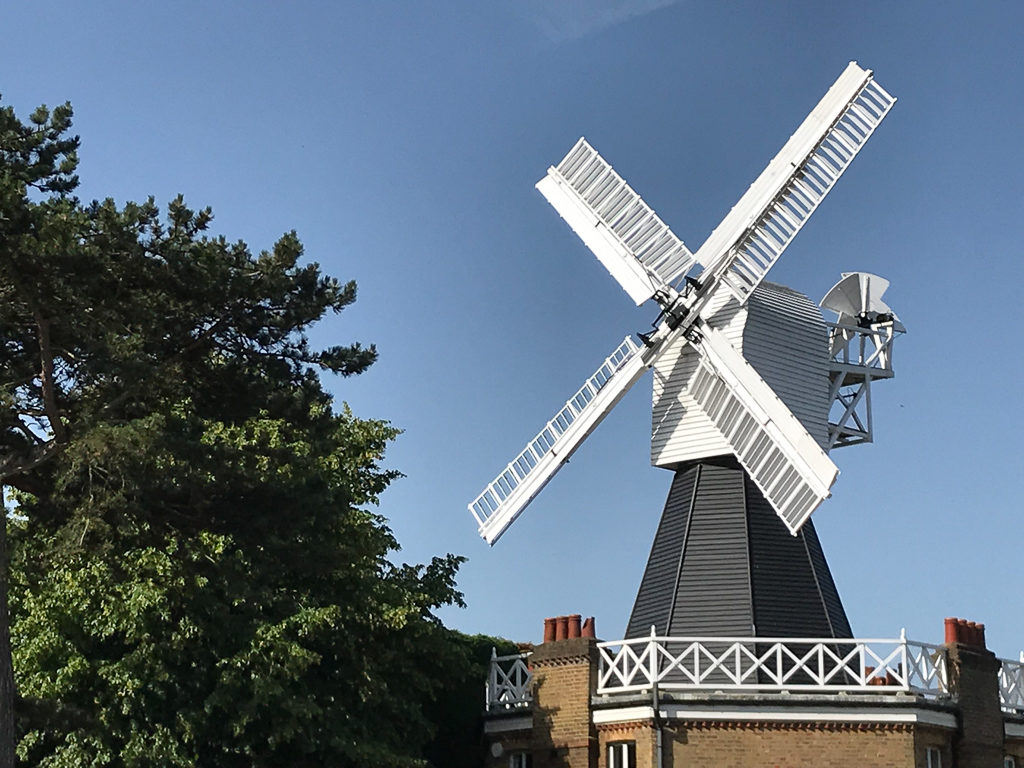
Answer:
(861, 349)
(1011, 684)
(680, 430)
(807, 665)
(504, 498)
(509, 682)
(732, 407)
(753, 235)
(776, 318)
(812, 664)
(780, 456)
(628, 238)
(857, 294)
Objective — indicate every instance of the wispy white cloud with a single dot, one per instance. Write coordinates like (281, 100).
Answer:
(564, 20)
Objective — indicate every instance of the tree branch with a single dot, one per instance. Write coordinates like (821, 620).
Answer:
(60, 432)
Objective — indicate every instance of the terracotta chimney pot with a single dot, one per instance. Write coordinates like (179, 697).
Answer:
(963, 632)
(975, 633)
(951, 630)
(549, 630)
(561, 628)
(574, 625)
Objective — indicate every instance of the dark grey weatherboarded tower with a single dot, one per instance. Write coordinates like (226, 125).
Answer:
(724, 565)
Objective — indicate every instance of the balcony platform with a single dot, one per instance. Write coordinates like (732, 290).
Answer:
(744, 671)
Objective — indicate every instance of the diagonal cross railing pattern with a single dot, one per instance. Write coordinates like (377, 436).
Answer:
(807, 665)
(825, 665)
(772, 664)
(508, 683)
(1011, 684)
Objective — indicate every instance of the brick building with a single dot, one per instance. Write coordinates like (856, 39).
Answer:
(576, 702)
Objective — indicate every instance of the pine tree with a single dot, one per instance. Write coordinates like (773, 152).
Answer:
(196, 573)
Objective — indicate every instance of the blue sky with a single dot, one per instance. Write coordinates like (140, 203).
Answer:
(402, 141)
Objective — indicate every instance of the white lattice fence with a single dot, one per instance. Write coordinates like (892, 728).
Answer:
(508, 684)
(1011, 684)
(772, 664)
(826, 665)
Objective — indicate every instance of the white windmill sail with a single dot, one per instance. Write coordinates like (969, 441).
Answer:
(753, 235)
(637, 247)
(782, 458)
(644, 256)
(500, 503)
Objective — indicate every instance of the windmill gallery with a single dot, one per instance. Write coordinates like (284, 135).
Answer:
(738, 651)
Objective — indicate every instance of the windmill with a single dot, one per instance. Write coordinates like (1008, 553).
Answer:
(748, 443)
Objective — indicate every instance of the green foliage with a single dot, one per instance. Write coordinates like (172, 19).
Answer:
(457, 708)
(198, 577)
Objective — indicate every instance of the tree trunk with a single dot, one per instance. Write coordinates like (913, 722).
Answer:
(7, 737)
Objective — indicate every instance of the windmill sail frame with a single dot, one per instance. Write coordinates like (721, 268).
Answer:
(753, 235)
(645, 257)
(628, 238)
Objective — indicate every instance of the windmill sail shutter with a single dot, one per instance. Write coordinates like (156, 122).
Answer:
(628, 238)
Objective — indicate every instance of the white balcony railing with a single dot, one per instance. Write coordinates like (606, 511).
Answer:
(1011, 684)
(809, 665)
(772, 664)
(508, 683)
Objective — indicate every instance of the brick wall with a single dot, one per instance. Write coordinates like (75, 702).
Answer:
(564, 678)
(789, 745)
(926, 738)
(974, 678)
(640, 731)
(510, 741)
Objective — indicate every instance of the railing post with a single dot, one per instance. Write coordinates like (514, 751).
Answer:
(943, 674)
(652, 650)
(492, 679)
(903, 658)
